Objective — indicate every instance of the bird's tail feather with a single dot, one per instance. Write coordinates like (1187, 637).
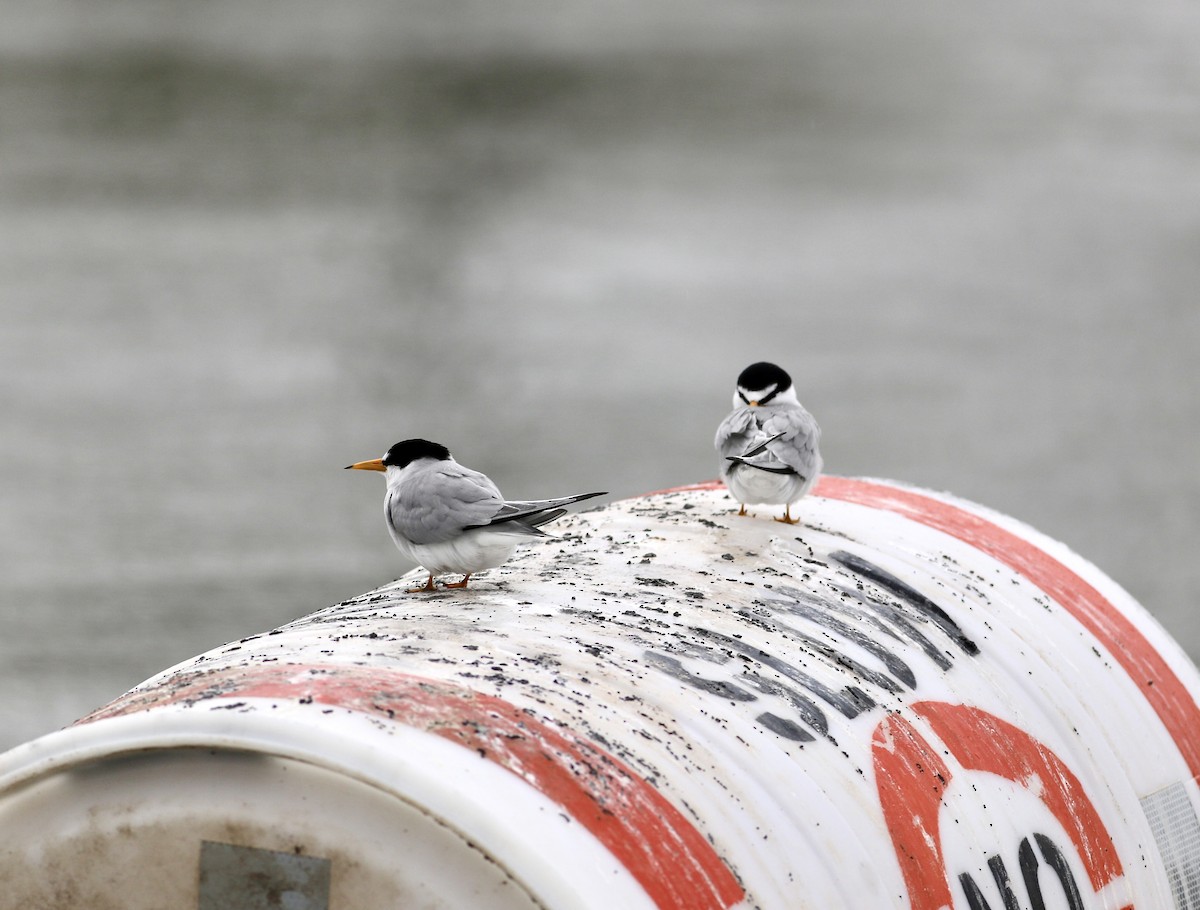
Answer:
(529, 515)
(540, 505)
(543, 518)
(770, 469)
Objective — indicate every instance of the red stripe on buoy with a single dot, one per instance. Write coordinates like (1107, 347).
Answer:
(675, 864)
(1164, 691)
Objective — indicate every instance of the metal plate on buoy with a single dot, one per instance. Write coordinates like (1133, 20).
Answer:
(233, 877)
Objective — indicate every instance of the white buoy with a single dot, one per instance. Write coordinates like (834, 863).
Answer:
(907, 701)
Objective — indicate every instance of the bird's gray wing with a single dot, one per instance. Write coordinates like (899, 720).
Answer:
(796, 441)
(736, 433)
(529, 514)
(437, 504)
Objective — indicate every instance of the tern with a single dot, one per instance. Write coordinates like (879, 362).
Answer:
(769, 444)
(451, 519)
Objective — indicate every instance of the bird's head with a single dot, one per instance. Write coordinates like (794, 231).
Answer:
(404, 453)
(761, 384)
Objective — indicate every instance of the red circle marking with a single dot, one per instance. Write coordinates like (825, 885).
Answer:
(675, 864)
(912, 777)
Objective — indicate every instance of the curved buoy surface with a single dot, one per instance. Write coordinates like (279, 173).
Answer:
(905, 701)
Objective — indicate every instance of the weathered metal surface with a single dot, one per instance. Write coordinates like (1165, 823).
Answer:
(906, 701)
(247, 878)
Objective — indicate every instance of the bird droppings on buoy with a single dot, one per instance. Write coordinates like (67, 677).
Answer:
(905, 701)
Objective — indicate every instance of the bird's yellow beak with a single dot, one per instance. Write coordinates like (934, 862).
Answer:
(753, 404)
(375, 464)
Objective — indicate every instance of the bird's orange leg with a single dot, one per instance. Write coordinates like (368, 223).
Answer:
(787, 516)
(459, 584)
(428, 586)
(742, 510)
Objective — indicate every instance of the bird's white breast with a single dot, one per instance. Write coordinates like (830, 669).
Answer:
(471, 552)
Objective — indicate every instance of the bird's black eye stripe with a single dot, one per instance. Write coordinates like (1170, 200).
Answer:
(742, 396)
(768, 397)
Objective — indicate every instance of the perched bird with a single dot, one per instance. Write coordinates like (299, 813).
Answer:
(769, 442)
(449, 518)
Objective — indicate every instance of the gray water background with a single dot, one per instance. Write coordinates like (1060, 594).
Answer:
(244, 244)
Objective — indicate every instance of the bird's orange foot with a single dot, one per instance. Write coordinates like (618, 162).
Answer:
(459, 584)
(428, 587)
(742, 511)
(787, 517)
